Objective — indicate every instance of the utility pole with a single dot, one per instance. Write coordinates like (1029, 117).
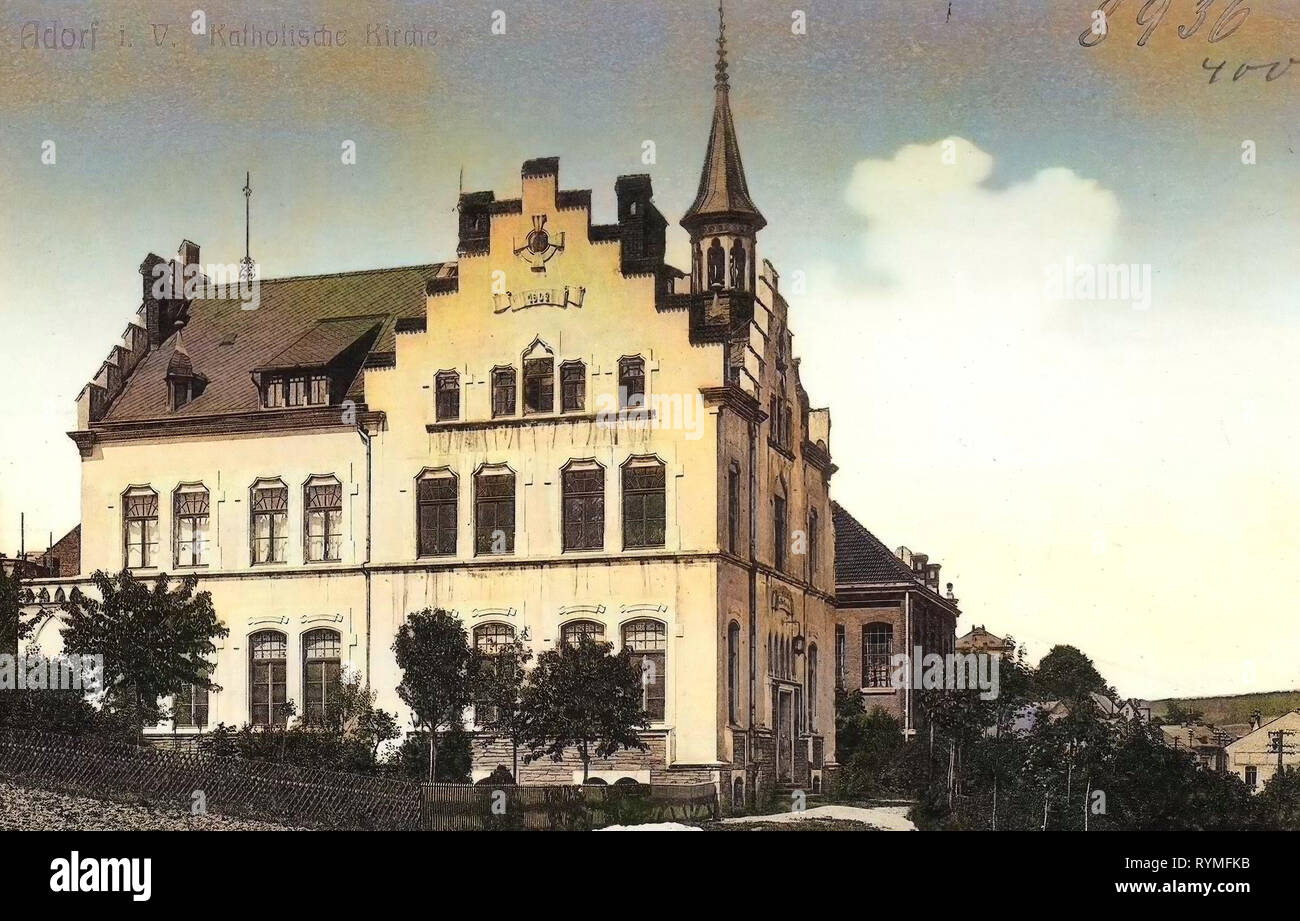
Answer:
(1279, 744)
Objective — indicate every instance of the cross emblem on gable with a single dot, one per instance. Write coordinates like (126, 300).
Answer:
(539, 246)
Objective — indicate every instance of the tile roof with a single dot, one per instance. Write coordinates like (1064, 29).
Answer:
(298, 319)
(861, 557)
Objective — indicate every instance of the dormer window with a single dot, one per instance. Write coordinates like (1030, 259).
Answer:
(289, 390)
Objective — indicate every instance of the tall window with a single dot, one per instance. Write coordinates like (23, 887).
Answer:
(573, 386)
(269, 507)
(190, 511)
(877, 645)
(190, 706)
(447, 404)
(733, 673)
(780, 532)
(1252, 776)
(733, 508)
(571, 634)
(648, 642)
(539, 385)
(140, 528)
(644, 507)
(494, 512)
(489, 641)
(631, 383)
(320, 674)
(814, 541)
(435, 504)
(841, 650)
(503, 392)
(323, 508)
(584, 507)
(266, 678)
(812, 686)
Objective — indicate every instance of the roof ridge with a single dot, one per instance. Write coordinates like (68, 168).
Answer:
(394, 268)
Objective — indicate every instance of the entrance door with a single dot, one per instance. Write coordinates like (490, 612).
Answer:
(784, 735)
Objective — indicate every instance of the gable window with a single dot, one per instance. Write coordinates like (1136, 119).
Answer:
(647, 640)
(190, 514)
(583, 488)
(320, 674)
(494, 512)
(436, 514)
(140, 528)
(489, 641)
(631, 383)
(573, 386)
(733, 673)
(503, 392)
(572, 633)
(877, 645)
(270, 526)
(266, 678)
(447, 401)
(190, 706)
(644, 507)
(323, 509)
(281, 390)
(780, 531)
(733, 508)
(539, 385)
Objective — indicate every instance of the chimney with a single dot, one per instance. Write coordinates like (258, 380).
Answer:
(1255, 720)
(475, 222)
(951, 596)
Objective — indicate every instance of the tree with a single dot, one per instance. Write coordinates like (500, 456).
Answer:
(439, 672)
(13, 627)
(585, 697)
(155, 641)
(1178, 715)
(1067, 674)
(500, 694)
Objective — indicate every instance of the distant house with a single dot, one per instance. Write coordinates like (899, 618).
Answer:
(1030, 715)
(1208, 744)
(1256, 756)
(978, 639)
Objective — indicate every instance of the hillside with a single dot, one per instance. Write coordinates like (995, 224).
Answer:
(1226, 710)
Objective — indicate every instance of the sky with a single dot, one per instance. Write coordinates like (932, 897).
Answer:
(1117, 472)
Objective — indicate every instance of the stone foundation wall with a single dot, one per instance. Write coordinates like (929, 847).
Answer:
(649, 766)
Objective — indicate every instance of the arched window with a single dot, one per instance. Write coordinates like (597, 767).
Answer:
(738, 265)
(644, 506)
(494, 511)
(877, 646)
(573, 386)
(733, 673)
(572, 633)
(717, 263)
(738, 793)
(268, 693)
(583, 505)
(631, 382)
(539, 379)
(648, 642)
(269, 508)
(812, 687)
(59, 596)
(447, 401)
(503, 392)
(323, 513)
(489, 641)
(320, 674)
(190, 517)
(780, 531)
(435, 513)
(140, 527)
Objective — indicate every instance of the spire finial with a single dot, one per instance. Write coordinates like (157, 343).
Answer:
(246, 268)
(721, 81)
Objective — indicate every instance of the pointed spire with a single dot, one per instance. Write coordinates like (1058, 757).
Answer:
(723, 192)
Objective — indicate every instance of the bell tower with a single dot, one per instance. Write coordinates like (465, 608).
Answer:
(723, 221)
